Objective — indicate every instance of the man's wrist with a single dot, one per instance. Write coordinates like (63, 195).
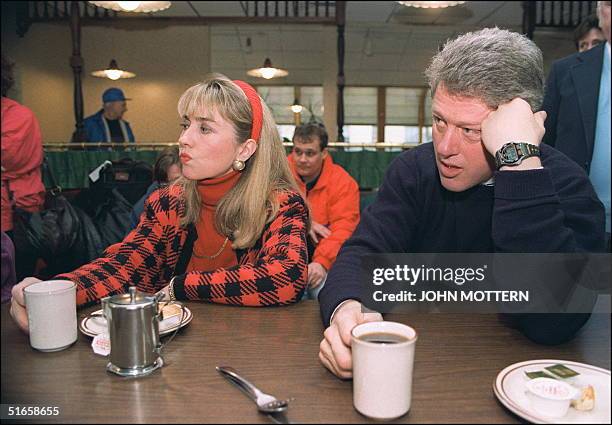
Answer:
(338, 307)
(531, 163)
(515, 153)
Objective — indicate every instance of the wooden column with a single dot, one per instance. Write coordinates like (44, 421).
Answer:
(76, 62)
(381, 106)
(297, 94)
(340, 21)
(422, 114)
(529, 18)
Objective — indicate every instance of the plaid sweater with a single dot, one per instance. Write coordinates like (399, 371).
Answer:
(273, 272)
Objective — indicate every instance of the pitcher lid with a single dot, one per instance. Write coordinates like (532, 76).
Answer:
(133, 297)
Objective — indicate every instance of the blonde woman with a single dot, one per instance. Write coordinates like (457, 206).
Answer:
(231, 230)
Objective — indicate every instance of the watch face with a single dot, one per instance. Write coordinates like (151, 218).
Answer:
(510, 154)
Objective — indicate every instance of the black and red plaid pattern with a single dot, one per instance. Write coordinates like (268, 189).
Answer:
(271, 273)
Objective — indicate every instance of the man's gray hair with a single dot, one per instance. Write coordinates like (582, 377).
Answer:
(493, 65)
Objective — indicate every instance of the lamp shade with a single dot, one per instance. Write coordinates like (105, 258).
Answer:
(430, 4)
(296, 107)
(267, 71)
(133, 6)
(113, 72)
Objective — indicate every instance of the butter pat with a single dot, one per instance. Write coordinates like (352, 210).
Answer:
(586, 400)
(171, 316)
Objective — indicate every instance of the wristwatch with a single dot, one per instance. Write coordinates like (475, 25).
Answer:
(513, 153)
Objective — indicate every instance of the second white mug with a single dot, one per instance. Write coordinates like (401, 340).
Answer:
(383, 360)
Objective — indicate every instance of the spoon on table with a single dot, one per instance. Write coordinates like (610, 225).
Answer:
(266, 403)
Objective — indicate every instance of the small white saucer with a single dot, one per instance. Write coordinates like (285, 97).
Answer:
(509, 387)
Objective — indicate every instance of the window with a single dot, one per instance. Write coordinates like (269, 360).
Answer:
(403, 120)
(360, 116)
(311, 99)
(360, 134)
(286, 131)
(401, 134)
(279, 99)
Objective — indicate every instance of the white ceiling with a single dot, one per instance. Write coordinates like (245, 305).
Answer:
(376, 12)
(385, 43)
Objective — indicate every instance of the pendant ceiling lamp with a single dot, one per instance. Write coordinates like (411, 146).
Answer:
(133, 6)
(296, 107)
(113, 72)
(267, 71)
(430, 4)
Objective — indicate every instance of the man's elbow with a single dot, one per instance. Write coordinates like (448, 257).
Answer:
(547, 329)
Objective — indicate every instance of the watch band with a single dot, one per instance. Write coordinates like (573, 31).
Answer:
(513, 153)
(171, 290)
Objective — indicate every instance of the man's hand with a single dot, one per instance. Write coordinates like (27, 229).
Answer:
(513, 122)
(335, 349)
(318, 231)
(316, 275)
(18, 309)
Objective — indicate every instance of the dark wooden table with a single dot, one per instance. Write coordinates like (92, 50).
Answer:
(457, 359)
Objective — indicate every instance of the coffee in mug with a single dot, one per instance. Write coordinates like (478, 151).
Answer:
(52, 317)
(384, 338)
(383, 359)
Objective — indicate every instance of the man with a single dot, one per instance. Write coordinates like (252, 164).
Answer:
(107, 125)
(577, 102)
(333, 196)
(452, 195)
(588, 34)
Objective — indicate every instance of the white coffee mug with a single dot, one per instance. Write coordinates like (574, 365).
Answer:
(52, 317)
(382, 372)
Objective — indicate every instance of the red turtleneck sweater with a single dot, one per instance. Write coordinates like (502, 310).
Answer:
(209, 240)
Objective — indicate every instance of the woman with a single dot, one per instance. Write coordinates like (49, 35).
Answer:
(232, 230)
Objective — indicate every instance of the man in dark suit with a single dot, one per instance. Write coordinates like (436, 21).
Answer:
(577, 103)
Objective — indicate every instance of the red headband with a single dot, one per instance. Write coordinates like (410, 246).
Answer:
(256, 109)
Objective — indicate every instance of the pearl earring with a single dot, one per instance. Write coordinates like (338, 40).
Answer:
(238, 165)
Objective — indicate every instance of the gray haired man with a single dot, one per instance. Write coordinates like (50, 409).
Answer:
(468, 191)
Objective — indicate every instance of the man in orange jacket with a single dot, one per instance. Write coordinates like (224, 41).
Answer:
(333, 197)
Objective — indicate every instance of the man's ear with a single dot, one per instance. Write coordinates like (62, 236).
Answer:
(247, 149)
(324, 153)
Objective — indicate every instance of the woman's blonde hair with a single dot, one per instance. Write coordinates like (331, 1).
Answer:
(248, 207)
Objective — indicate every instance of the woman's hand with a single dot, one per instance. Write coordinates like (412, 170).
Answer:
(318, 231)
(316, 275)
(18, 308)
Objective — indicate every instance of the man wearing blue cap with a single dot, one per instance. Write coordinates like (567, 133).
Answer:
(106, 126)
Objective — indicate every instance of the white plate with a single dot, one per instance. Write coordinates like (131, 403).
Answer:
(95, 323)
(509, 387)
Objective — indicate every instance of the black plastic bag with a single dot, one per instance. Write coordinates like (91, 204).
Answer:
(131, 178)
(51, 232)
(112, 218)
(63, 235)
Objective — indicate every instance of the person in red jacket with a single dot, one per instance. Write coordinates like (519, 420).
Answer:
(22, 155)
(231, 230)
(333, 197)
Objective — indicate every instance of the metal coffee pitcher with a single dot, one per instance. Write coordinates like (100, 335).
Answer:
(133, 326)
